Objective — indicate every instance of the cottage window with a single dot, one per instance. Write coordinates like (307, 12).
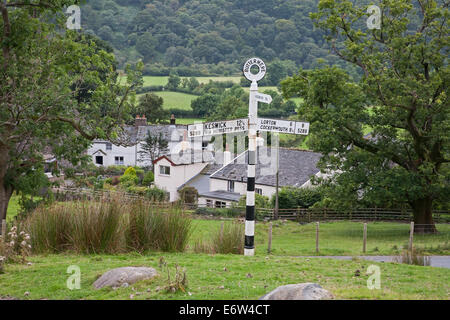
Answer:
(231, 186)
(164, 170)
(220, 204)
(118, 160)
(258, 191)
(99, 160)
(108, 146)
(209, 203)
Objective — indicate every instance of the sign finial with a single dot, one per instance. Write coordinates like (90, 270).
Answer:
(254, 62)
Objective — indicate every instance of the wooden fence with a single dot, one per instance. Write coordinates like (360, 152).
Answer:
(297, 214)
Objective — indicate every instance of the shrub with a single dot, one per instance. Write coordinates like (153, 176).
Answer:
(115, 170)
(220, 212)
(14, 246)
(130, 171)
(156, 195)
(128, 180)
(149, 177)
(115, 181)
(188, 195)
(260, 201)
(137, 190)
(290, 197)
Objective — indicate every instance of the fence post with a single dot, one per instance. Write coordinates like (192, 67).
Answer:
(411, 234)
(4, 230)
(365, 238)
(317, 237)
(269, 246)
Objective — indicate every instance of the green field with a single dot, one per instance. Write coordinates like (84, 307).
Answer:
(226, 276)
(177, 100)
(188, 120)
(335, 238)
(162, 80)
(220, 277)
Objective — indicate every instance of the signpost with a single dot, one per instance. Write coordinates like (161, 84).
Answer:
(252, 125)
(283, 126)
(217, 128)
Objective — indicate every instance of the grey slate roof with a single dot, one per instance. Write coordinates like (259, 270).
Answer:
(295, 168)
(134, 134)
(190, 156)
(222, 195)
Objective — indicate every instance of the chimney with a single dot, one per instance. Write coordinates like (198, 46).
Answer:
(140, 121)
(185, 143)
(226, 155)
(172, 120)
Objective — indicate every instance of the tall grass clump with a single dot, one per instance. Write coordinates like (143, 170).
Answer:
(97, 227)
(108, 227)
(229, 238)
(84, 226)
(153, 228)
(50, 228)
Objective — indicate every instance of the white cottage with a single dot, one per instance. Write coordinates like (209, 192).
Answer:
(105, 153)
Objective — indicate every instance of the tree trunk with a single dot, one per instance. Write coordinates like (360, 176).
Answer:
(423, 216)
(5, 196)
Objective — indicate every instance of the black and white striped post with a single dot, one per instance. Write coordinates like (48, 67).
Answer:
(249, 249)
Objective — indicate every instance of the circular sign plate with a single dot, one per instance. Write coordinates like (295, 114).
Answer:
(254, 62)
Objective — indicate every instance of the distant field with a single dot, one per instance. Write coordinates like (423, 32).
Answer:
(188, 120)
(262, 89)
(162, 80)
(176, 100)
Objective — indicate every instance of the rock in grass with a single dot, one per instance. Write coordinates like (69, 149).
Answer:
(300, 291)
(118, 277)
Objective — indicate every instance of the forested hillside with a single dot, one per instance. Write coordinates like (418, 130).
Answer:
(195, 37)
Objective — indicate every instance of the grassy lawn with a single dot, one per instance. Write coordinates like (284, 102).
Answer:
(335, 238)
(226, 276)
(13, 207)
(176, 100)
(221, 277)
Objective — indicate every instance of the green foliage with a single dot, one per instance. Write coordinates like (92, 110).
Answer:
(220, 212)
(290, 197)
(402, 98)
(149, 177)
(188, 195)
(260, 201)
(152, 147)
(69, 92)
(130, 171)
(129, 178)
(151, 106)
(168, 36)
(156, 195)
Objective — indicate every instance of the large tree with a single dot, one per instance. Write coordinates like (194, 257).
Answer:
(151, 106)
(401, 100)
(44, 107)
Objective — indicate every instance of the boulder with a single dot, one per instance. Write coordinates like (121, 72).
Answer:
(125, 276)
(300, 291)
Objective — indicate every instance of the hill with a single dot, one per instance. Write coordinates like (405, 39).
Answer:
(207, 37)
